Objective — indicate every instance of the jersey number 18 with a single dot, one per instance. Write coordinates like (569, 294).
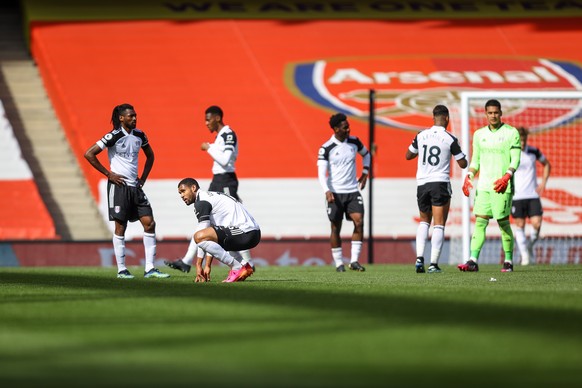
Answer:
(433, 155)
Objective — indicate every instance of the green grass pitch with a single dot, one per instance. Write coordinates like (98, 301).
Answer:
(292, 327)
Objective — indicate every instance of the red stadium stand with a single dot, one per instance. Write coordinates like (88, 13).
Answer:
(24, 214)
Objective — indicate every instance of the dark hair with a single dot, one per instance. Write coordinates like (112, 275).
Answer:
(523, 131)
(493, 103)
(118, 111)
(336, 119)
(189, 182)
(215, 111)
(440, 110)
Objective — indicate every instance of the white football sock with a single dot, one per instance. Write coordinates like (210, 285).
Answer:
(119, 249)
(337, 255)
(436, 243)
(220, 254)
(421, 238)
(238, 257)
(246, 255)
(521, 241)
(356, 249)
(149, 244)
(191, 252)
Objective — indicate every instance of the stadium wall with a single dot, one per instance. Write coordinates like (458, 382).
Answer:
(270, 252)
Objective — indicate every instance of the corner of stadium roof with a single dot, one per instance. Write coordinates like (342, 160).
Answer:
(59, 11)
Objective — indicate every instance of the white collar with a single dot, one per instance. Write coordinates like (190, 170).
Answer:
(335, 140)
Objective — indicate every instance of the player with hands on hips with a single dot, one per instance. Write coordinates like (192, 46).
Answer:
(336, 170)
(127, 201)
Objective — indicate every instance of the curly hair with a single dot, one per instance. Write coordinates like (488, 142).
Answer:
(336, 119)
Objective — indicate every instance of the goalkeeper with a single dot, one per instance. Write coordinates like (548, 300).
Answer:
(496, 156)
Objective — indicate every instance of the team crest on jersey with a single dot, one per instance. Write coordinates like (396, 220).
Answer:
(117, 209)
(408, 88)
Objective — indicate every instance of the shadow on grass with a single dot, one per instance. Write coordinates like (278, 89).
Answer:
(384, 308)
(369, 312)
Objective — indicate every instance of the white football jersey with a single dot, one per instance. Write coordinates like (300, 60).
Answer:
(434, 147)
(123, 149)
(221, 209)
(340, 160)
(525, 177)
(224, 149)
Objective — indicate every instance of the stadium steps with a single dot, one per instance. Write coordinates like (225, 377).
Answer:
(44, 145)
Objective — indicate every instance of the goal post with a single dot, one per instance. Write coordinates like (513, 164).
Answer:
(554, 119)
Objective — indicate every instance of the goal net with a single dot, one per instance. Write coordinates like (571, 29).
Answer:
(554, 121)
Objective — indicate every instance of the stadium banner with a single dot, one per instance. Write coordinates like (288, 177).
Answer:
(408, 86)
(74, 10)
(270, 252)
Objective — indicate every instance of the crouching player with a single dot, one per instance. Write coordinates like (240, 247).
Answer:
(225, 227)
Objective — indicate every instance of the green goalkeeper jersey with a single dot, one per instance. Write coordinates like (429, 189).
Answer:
(493, 153)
